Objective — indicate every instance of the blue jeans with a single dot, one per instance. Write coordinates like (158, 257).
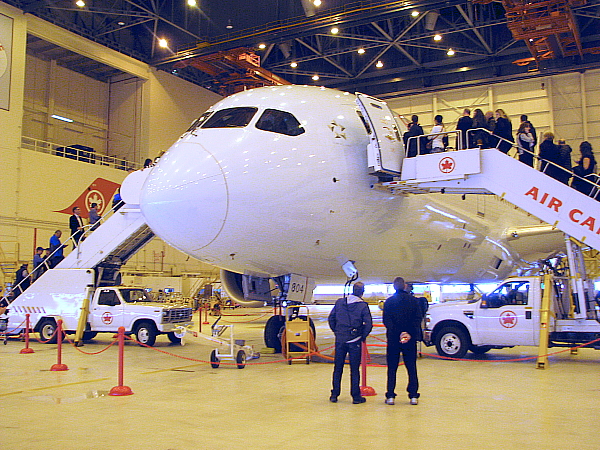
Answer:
(353, 349)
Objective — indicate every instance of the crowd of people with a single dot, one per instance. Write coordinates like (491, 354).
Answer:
(495, 130)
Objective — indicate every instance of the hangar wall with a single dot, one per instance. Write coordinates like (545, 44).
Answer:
(566, 104)
(137, 115)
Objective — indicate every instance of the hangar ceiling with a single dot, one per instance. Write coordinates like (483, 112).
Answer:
(488, 43)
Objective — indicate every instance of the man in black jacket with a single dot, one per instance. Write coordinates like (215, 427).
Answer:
(351, 322)
(402, 317)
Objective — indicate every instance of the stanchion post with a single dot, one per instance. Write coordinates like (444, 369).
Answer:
(59, 366)
(120, 389)
(365, 390)
(206, 308)
(26, 350)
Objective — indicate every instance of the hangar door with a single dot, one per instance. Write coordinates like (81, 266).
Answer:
(385, 150)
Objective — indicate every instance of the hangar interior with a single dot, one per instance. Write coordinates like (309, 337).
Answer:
(125, 101)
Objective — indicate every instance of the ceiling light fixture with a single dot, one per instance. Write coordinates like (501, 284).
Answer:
(64, 119)
(229, 25)
(317, 3)
(163, 43)
(191, 3)
(450, 52)
(293, 65)
(335, 30)
(262, 46)
(121, 23)
(379, 64)
(414, 13)
(80, 3)
(437, 37)
(360, 51)
(315, 77)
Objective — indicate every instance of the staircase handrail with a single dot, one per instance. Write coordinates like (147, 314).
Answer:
(430, 137)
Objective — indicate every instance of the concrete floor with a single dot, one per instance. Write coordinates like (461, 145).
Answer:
(485, 403)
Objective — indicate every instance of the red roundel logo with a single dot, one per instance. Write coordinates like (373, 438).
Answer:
(447, 165)
(508, 319)
(107, 318)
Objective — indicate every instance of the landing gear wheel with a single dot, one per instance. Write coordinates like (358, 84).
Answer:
(214, 360)
(480, 349)
(47, 331)
(145, 333)
(173, 337)
(240, 359)
(452, 342)
(272, 328)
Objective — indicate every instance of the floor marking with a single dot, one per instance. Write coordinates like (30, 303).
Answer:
(52, 387)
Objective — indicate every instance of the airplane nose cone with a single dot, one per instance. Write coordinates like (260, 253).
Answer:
(184, 199)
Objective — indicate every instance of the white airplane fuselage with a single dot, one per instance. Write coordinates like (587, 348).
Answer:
(260, 202)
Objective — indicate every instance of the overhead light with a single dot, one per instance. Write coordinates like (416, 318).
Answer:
(80, 3)
(229, 25)
(450, 52)
(335, 30)
(317, 2)
(414, 13)
(360, 51)
(294, 64)
(64, 119)
(437, 37)
(163, 43)
(191, 3)
(121, 23)
(463, 69)
(262, 46)
(315, 77)
(379, 64)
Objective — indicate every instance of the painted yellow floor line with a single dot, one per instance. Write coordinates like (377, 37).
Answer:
(52, 387)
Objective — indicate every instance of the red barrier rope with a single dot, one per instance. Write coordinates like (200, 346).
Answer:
(73, 344)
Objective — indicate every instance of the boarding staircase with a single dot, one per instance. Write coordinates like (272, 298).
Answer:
(489, 171)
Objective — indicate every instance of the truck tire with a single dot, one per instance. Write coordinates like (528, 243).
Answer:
(214, 360)
(47, 331)
(145, 333)
(89, 335)
(174, 339)
(480, 349)
(452, 342)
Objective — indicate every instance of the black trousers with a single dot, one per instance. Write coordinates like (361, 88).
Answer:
(409, 355)
(353, 350)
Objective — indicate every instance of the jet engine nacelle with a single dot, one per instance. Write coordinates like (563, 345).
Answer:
(247, 290)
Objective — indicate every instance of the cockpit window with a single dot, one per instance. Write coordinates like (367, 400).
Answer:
(279, 122)
(199, 121)
(230, 118)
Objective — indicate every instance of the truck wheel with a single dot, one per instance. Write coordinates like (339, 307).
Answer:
(47, 331)
(452, 342)
(480, 349)
(174, 339)
(240, 359)
(89, 335)
(214, 360)
(145, 333)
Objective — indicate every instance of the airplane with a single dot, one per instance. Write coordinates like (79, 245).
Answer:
(280, 183)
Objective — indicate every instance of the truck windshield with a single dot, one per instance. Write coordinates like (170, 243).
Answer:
(135, 295)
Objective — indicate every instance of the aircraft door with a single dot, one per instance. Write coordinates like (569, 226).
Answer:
(505, 317)
(107, 311)
(385, 151)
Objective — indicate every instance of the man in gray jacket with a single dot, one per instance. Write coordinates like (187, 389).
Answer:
(351, 322)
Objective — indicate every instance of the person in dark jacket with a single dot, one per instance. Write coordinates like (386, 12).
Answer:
(564, 160)
(402, 317)
(503, 129)
(479, 138)
(22, 280)
(464, 123)
(585, 169)
(550, 156)
(411, 146)
(351, 322)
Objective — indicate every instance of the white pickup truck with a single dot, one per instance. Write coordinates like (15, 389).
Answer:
(510, 316)
(60, 294)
